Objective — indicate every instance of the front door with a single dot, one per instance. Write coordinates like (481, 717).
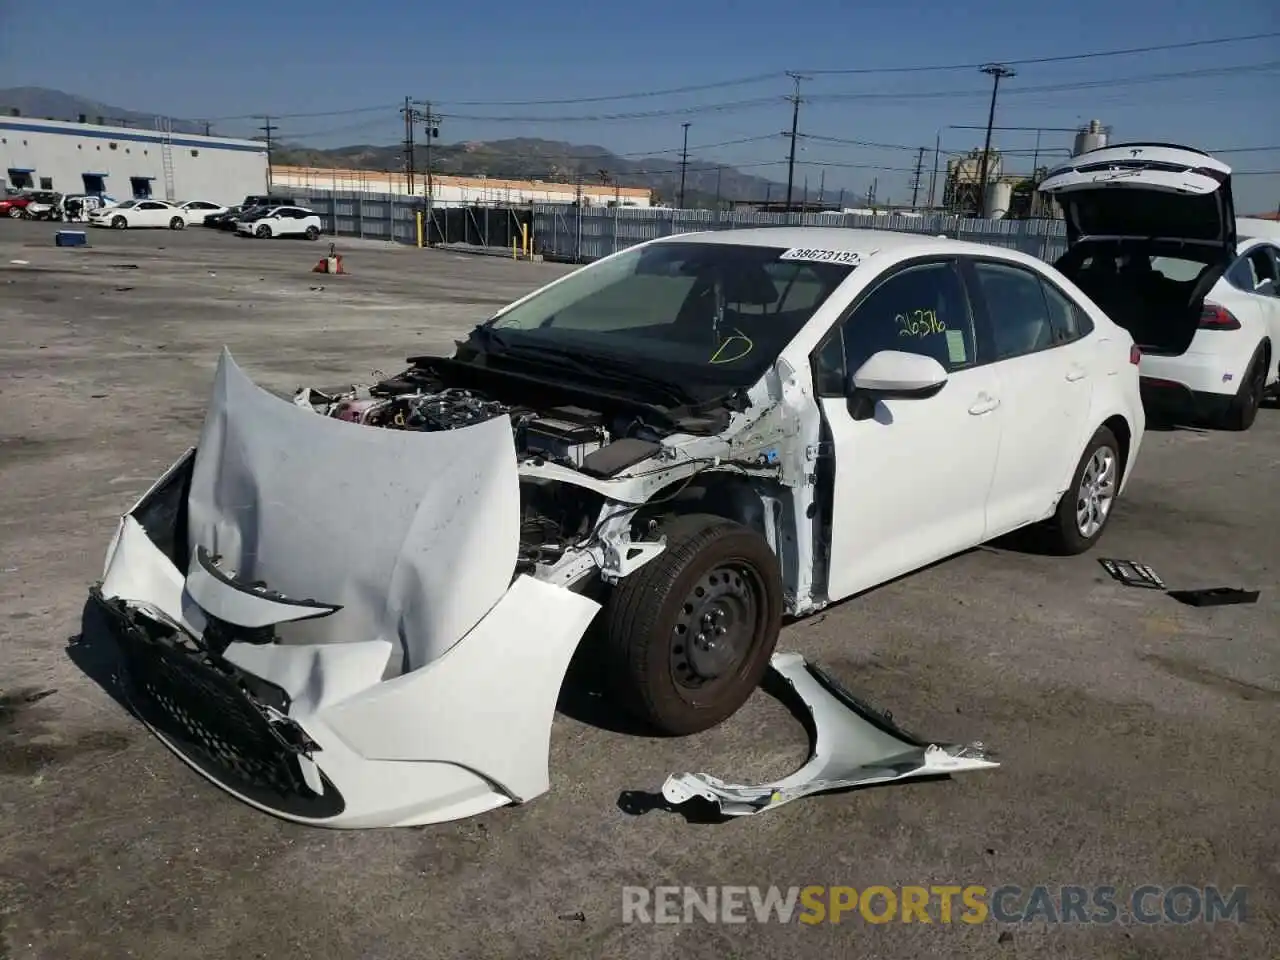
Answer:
(1045, 367)
(910, 483)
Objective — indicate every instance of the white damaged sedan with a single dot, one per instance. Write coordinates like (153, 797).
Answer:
(357, 609)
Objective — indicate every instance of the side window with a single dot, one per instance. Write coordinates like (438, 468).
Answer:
(920, 310)
(1241, 275)
(1264, 267)
(1017, 309)
(1067, 320)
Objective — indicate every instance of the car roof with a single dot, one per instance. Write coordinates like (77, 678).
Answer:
(850, 240)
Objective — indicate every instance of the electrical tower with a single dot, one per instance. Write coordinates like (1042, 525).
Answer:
(917, 177)
(997, 71)
(795, 124)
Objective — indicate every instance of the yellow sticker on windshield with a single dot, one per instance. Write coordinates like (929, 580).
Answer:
(734, 348)
(955, 347)
(919, 323)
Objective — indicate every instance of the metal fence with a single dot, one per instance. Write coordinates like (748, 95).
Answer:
(567, 233)
(580, 235)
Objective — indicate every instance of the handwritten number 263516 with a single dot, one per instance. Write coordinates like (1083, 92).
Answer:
(919, 323)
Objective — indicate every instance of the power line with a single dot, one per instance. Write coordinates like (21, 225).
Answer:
(1064, 58)
(638, 95)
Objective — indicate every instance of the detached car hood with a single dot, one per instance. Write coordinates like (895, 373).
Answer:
(323, 618)
(1142, 191)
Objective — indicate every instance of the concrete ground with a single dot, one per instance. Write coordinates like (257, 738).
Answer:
(1137, 735)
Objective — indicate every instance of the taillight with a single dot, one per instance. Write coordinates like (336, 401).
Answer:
(1135, 354)
(1214, 317)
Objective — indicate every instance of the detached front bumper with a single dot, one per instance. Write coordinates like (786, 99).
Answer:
(430, 701)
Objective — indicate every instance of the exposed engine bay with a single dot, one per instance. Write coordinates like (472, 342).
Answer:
(555, 515)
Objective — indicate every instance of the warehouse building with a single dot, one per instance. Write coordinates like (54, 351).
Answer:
(123, 162)
(451, 191)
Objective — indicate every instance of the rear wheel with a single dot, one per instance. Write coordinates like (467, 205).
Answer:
(1085, 509)
(1243, 408)
(689, 635)
(119, 223)
(313, 233)
(177, 223)
(263, 232)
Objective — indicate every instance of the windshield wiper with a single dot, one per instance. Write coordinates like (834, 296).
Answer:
(597, 367)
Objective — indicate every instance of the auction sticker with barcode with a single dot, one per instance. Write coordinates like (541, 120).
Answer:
(822, 256)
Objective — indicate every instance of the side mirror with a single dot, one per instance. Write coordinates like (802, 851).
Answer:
(893, 375)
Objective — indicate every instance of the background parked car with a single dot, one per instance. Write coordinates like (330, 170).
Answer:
(195, 211)
(266, 222)
(43, 205)
(1202, 303)
(139, 213)
(13, 205)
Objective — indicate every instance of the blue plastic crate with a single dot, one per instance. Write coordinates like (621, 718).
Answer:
(71, 238)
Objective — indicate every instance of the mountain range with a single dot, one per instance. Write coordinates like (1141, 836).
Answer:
(517, 158)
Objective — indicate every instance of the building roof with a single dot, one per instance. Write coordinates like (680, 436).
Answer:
(132, 134)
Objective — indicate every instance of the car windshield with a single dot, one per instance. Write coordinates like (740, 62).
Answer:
(708, 317)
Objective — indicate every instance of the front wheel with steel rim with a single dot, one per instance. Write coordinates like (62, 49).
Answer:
(1086, 507)
(688, 636)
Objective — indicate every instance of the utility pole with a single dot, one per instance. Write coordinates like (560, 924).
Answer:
(822, 184)
(719, 170)
(795, 124)
(997, 71)
(408, 112)
(917, 177)
(267, 127)
(431, 127)
(933, 180)
(684, 162)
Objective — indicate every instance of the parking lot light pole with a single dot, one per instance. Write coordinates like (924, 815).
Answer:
(996, 71)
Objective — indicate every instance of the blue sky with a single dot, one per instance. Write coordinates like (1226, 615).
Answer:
(357, 62)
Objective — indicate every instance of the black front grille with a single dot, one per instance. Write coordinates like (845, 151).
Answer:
(201, 705)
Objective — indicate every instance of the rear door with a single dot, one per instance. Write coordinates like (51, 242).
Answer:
(910, 482)
(1143, 191)
(1045, 360)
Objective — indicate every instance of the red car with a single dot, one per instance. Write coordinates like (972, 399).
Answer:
(12, 206)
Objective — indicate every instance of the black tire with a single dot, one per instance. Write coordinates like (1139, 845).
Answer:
(177, 223)
(15, 213)
(313, 233)
(119, 223)
(1063, 531)
(714, 569)
(1243, 408)
(263, 232)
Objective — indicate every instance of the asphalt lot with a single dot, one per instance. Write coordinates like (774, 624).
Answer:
(1137, 735)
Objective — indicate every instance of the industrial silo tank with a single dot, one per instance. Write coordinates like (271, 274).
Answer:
(1091, 137)
(999, 196)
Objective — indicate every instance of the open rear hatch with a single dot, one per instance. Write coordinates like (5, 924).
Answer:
(1150, 229)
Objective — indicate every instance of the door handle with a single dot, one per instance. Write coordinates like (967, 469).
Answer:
(1076, 373)
(984, 404)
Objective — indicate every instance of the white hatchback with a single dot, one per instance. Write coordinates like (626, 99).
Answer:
(1153, 240)
(267, 222)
